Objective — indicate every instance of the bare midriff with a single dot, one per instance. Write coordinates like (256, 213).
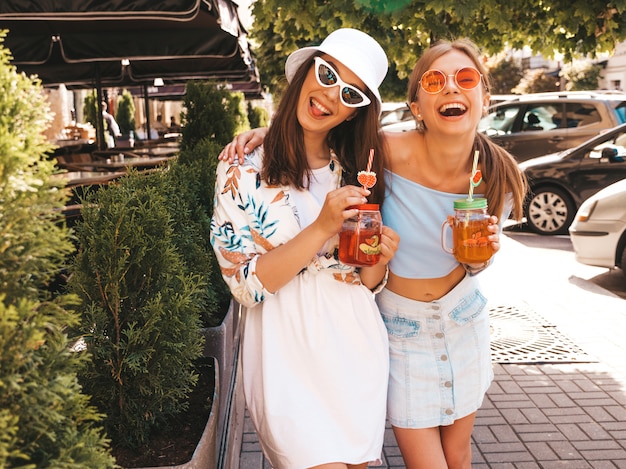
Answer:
(425, 289)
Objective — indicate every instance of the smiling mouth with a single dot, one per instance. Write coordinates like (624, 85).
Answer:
(452, 109)
(318, 109)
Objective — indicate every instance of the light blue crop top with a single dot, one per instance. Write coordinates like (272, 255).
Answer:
(417, 213)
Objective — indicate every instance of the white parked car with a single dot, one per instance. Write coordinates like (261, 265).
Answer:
(598, 231)
(393, 113)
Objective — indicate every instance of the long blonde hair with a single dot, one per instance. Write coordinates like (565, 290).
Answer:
(500, 171)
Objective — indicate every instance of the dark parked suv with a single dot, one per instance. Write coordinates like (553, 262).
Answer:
(542, 123)
(560, 182)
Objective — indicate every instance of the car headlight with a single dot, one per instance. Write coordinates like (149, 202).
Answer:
(585, 211)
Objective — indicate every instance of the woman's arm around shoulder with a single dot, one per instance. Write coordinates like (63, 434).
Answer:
(243, 144)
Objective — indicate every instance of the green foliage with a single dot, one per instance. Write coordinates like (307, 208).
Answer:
(581, 76)
(257, 116)
(147, 278)
(140, 308)
(212, 118)
(505, 75)
(189, 188)
(212, 112)
(125, 116)
(90, 108)
(45, 419)
(405, 28)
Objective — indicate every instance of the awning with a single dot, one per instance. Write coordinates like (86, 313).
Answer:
(86, 43)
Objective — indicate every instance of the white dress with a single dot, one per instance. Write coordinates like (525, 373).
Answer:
(314, 354)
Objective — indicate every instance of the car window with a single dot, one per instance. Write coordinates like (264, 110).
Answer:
(621, 112)
(618, 143)
(581, 114)
(542, 117)
(397, 115)
(499, 121)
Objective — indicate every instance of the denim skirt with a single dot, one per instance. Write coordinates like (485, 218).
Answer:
(440, 361)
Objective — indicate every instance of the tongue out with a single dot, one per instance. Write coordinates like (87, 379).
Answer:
(317, 109)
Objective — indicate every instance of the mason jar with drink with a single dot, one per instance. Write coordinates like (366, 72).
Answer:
(470, 232)
(359, 238)
(470, 225)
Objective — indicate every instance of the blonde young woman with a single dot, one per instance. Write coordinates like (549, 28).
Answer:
(432, 305)
(314, 348)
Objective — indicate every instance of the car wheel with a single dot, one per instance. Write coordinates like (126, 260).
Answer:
(550, 211)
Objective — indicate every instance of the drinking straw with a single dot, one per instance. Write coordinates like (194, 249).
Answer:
(472, 185)
(367, 174)
(369, 161)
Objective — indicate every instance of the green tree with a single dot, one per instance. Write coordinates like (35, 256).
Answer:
(257, 116)
(212, 116)
(45, 418)
(125, 116)
(211, 111)
(140, 308)
(405, 28)
(90, 108)
(147, 276)
(505, 75)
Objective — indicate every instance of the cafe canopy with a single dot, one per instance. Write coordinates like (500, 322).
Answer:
(129, 43)
(94, 43)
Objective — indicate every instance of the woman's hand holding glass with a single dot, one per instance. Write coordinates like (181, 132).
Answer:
(336, 208)
(494, 239)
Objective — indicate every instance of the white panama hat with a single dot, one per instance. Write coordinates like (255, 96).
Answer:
(354, 49)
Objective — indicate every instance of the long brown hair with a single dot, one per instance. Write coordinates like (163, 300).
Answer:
(500, 171)
(285, 157)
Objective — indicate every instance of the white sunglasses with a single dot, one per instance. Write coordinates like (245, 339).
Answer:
(328, 77)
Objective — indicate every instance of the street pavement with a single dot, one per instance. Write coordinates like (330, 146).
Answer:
(559, 349)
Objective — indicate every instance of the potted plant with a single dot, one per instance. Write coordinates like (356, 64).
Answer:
(151, 291)
(140, 309)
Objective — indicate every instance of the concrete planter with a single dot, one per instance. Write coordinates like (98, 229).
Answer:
(222, 343)
(220, 444)
(206, 453)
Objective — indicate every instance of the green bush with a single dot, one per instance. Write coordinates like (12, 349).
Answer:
(140, 308)
(90, 109)
(45, 418)
(190, 187)
(125, 116)
(257, 116)
(198, 165)
(212, 117)
(211, 112)
(147, 278)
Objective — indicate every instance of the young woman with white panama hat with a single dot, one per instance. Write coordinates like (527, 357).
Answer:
(314, 348)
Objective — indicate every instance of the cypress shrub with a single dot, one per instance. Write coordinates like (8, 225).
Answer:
(140, 308)
(46, 420)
